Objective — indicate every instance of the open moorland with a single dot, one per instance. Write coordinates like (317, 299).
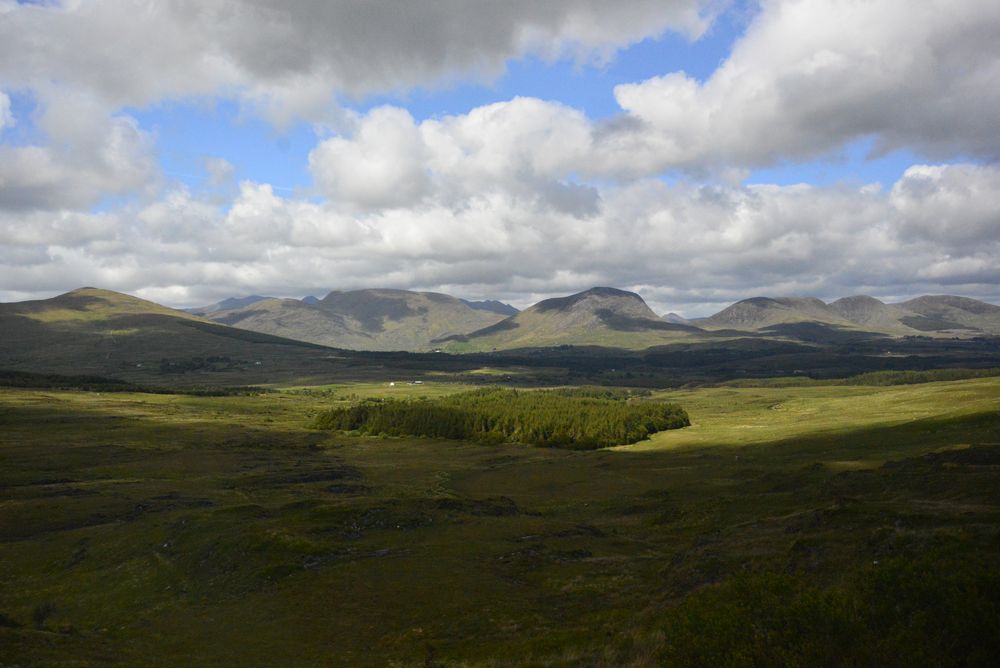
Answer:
(794, 522)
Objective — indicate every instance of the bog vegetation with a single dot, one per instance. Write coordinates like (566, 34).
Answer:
(580, 418)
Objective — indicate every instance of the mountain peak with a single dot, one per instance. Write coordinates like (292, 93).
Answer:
(492, 305)
(227, 304)
(601, 294)
(599, 316)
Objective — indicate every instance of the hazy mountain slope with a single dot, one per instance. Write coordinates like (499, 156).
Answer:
(599, 316)
(676, 319)
(363, 319)
(492, 305)
(946, 314)
(227, 304)
(92, 331)
(759, 313)
(924, 316)
(873, 314)
(290, 318)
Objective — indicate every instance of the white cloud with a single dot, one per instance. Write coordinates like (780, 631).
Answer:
(88, 159)
(6, 115)
(220, 171)
(811, 75)
(808, 78)
(520, 199)
(952, 205)
(289, 59)
(382, 166)
(522, 148)
(677, 244)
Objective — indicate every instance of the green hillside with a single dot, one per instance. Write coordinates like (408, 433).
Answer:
(933, 316)
(597, 317)
(363, 319)
(100, 332)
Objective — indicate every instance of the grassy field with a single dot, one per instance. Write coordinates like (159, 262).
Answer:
(737, 416)
(796, 526)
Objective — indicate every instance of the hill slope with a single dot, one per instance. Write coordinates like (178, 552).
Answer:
(227, 304)
(363, 319)
(492, 305)
(599, 316)
(100, 332)
(924, 316)
(759, 313)
(946, 315)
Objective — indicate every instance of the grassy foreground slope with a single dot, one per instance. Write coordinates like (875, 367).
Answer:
(165, 530)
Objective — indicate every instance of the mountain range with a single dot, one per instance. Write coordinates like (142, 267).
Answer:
(99, 331)
(364, 319)
(599, 317)
(937, 316)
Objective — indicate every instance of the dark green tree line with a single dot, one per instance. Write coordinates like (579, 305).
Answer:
(552, 418)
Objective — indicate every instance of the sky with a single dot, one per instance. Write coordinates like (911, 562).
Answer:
(697, 152)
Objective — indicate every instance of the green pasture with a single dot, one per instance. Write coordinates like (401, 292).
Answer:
(827, 525)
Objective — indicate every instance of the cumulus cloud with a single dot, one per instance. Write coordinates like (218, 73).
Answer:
(84, 61)
(291, 58)
(523, 148)
(6, 116)
(87, 159)
(953, 205)
(220, 171)
(382, 166)
(520, 199)
(810, 76)
(680, 245)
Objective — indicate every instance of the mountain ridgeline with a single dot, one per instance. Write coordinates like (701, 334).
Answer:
(595, 317)
(365, 319)
(87, 330)
(936, 316)
(105, 333)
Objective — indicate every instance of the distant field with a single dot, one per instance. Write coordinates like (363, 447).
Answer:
(852, 525)
(731, 416)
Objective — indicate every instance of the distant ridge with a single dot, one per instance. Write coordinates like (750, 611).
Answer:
(762, 312)
(947, 313)
(101, 332)
(923, 316)
(376, 319)
(600, 316)
(401, 320)
(493, 306)
(227, 304)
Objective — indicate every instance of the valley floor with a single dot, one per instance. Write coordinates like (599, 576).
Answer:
(827, 525)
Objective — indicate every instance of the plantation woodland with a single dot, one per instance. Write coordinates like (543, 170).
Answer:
(582, 418)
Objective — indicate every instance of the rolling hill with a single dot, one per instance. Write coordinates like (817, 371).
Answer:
(947, 315)
(227, 304)
(758, 313)
(924, 316)
(100, 332)
(599, 317)
(493, 306)
(364, 319)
